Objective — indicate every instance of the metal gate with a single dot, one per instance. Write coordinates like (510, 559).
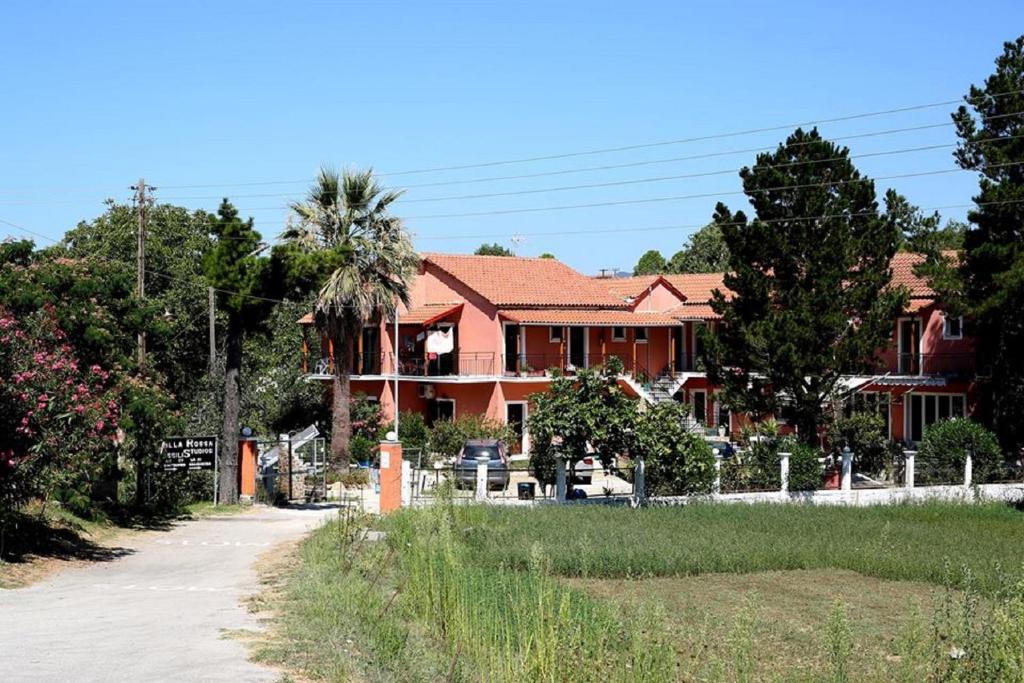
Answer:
(292, 468)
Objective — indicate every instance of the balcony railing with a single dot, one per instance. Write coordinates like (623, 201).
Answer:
(544, 364)
(366, 363)
(458, 363)
(952, 365)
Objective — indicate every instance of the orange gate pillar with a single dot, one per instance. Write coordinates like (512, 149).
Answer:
(390, 476)
(247, 469)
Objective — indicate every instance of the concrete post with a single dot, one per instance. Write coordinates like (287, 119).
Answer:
(908, 468)
(716, 485)
(406, 483)
(968, 470)
(481, 477)
(284, 465)
(560, 479)
(390, 476)
(784, 472)
(639, 482)
(847, 482)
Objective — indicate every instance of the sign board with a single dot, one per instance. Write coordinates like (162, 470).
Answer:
(190, 453)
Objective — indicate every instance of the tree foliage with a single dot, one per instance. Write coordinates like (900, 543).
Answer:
(944, 448)
(584, 412)
(494, 249)
(920, 232)
(810, 273)
(990, 286)
(677, 461)
(651, 263)
(705, 252)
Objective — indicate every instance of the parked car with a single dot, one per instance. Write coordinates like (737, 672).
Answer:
(584, 471)
(465, 463)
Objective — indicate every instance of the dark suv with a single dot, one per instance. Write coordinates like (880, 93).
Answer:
(497, 463)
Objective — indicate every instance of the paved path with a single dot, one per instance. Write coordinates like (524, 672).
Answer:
(155, 614)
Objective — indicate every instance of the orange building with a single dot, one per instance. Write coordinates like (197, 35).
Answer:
(482, 333)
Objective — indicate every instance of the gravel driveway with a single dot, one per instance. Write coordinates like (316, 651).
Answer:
(156, 614)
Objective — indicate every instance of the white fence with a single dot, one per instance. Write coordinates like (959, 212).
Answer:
(846, 494)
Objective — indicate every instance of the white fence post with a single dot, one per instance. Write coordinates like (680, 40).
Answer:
(908, 468)
(481, 477)
(639, 482)
(968, 470)
(847, 483)
(784, 472)
(560, 479)
(406, 483)
(716, 486)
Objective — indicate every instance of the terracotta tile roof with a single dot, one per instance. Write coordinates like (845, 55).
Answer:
(633, 287)
(697, 287)
(426, 314)
(578, 316)
(510, 281)
(695, 312)
(903, 265)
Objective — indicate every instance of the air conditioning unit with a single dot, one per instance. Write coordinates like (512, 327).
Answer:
(427, 391)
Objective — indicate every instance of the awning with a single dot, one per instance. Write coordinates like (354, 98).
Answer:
(574, 316)
(427, 314)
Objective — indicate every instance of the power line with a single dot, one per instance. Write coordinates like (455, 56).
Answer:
(702, 195)
(608, 150)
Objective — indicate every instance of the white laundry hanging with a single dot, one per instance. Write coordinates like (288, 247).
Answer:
(441, 341)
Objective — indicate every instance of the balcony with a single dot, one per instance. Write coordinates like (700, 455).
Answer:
(456, 364)
(949, 365)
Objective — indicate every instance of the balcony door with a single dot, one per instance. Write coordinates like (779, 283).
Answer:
(578, 347)
(515, 416)
(910, 346)
(512, 348)
(679, 349)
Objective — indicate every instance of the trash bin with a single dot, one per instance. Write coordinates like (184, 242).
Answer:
(527, 490)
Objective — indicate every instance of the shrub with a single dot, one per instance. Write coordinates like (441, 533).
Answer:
(412, 431)
(448, 436)
(367, 417)
(360, 448)
(864, 434)
(945, 446)
(677, 461)
(758, 469)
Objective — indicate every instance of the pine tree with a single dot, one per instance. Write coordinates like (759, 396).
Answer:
(651, 263)
(233, 268)
(810, 276)
(991, 131)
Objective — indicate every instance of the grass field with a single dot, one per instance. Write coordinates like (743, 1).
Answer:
(712, 592)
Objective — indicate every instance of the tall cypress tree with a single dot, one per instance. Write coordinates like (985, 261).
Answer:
(810, 276)
(991, 131)
(233, 268)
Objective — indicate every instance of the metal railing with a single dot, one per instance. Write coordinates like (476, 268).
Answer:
(457, 363)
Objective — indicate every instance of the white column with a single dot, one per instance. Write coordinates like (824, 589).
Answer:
(968, 470)
(784, 472)
(716, 486)
(639, 483)
(847, 484)
(560, 479)
(406, 483)
(908, 468)
(481, 477)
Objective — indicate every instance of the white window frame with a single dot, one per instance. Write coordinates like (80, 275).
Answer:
(551, 334)
(619, 337)
(908, 410)
(446, 400)
(945, 329)
(647, 335)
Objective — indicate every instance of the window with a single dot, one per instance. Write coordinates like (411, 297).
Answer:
(927, 409)
(555, 334)
(640, 334)
(619, 333)
(952, 327)
(869, 402)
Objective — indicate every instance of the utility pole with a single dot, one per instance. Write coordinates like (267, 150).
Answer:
(140, 258)
(213, 332)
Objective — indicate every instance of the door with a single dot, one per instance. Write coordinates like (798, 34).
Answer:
(577, 347)
(515, 416)
(700, 406)
(444, 409)
(679, 350)
(366, 359)
(910, 340)
(512, 348)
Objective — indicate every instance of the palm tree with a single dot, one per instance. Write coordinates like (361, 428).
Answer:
(345, 221)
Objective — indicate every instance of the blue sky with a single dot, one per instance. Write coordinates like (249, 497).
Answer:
(230, 94)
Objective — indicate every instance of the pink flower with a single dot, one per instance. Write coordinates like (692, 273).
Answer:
(100, 424)
(95, 369)
(79, 409)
